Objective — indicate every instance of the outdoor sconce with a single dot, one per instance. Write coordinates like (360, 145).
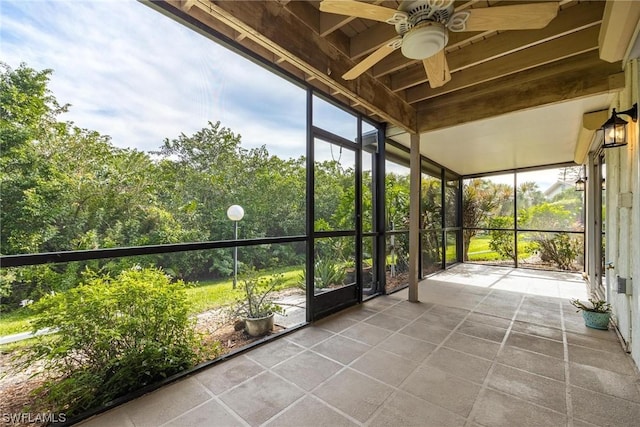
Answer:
(580, 183)
(615, 129)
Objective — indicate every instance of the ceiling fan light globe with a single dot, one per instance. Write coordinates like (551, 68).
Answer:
(424, 40)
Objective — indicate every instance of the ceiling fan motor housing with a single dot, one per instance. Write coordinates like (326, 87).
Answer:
(424, 32)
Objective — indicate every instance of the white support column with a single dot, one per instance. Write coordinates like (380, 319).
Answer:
(414, 217)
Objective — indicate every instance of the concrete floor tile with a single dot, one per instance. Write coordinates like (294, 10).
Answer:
(404, 409)
(407, 347)
(310, 412)
(442, 389)
(448, 311)
(488, 319)
(605, 381)
(530, 387)
(205, 414)
(223, 376)
(604, 410)
(445, 321)
(359, 312)
(616, 362)
(405, 311)
(367, 334)
(167, 403)
(354, 394)
(384, 366)
(552, 320)
(309, 336)
(341, 349)
(275, 352)
(480, 330)
(500, 410)
(114, 417)
(537, 330)
(335, 323)
(472, 345)
(535, 363)
(425, 332)
(593, 342)
(459, 364)
(386, 321)
(307, 370)
(261, 397)
(536, 344)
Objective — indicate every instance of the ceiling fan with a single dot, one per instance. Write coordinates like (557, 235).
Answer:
(423, 26)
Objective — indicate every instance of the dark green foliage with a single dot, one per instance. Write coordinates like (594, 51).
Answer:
(502, 241)
(597, 306)
(114, 335)
(328, 273)
(560, 249)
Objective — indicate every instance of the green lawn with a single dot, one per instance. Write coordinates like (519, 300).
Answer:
(14, 322)
(202, 296)
(207, 295)
(479, 249)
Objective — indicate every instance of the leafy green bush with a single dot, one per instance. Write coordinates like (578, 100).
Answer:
(502, 241)
(114, 336)
(561, 249)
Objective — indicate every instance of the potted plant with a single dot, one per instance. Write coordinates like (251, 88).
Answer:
(256, 307)
(596, 315)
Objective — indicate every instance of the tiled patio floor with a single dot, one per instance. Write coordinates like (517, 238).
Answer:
(474, 353)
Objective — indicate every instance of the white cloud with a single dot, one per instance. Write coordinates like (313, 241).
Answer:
(138, 76)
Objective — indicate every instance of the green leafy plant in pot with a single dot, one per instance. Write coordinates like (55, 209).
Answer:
(256, 307)
(596, 315)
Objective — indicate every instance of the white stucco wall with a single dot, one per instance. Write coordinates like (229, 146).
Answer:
(623, 218)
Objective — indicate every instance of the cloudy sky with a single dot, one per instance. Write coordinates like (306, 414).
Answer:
(134, 74)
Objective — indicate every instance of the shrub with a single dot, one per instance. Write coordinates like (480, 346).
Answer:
(502, 241)
(561, 249)
(113, 336)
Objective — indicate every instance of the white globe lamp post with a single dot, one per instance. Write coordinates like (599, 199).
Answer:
(235, 213)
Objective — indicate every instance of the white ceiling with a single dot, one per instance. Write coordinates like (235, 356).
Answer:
(540, 136)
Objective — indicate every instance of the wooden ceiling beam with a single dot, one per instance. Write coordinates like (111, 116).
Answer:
(574, 18)
(276, 29)
(570, 45)
(618, 28)
(575, 77)
(370, 39)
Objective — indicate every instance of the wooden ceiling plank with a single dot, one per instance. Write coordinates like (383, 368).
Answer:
(371, 39)
(312, 54)
(555, 50)
(330, 22)
(529, 89)
(584, 16)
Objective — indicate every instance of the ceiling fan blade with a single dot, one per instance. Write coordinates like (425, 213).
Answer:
(437, 69)
(371, 60)
(516, 17)
(358, 9)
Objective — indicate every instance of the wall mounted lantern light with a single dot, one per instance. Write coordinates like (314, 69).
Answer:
(615, 129)
(581, 182)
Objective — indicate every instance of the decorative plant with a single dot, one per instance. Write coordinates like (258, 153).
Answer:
(597, 306)
(114, 335)
(561, 249)
(258, 296)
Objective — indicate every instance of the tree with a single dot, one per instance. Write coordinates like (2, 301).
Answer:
(481, 199)
(28, 188)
